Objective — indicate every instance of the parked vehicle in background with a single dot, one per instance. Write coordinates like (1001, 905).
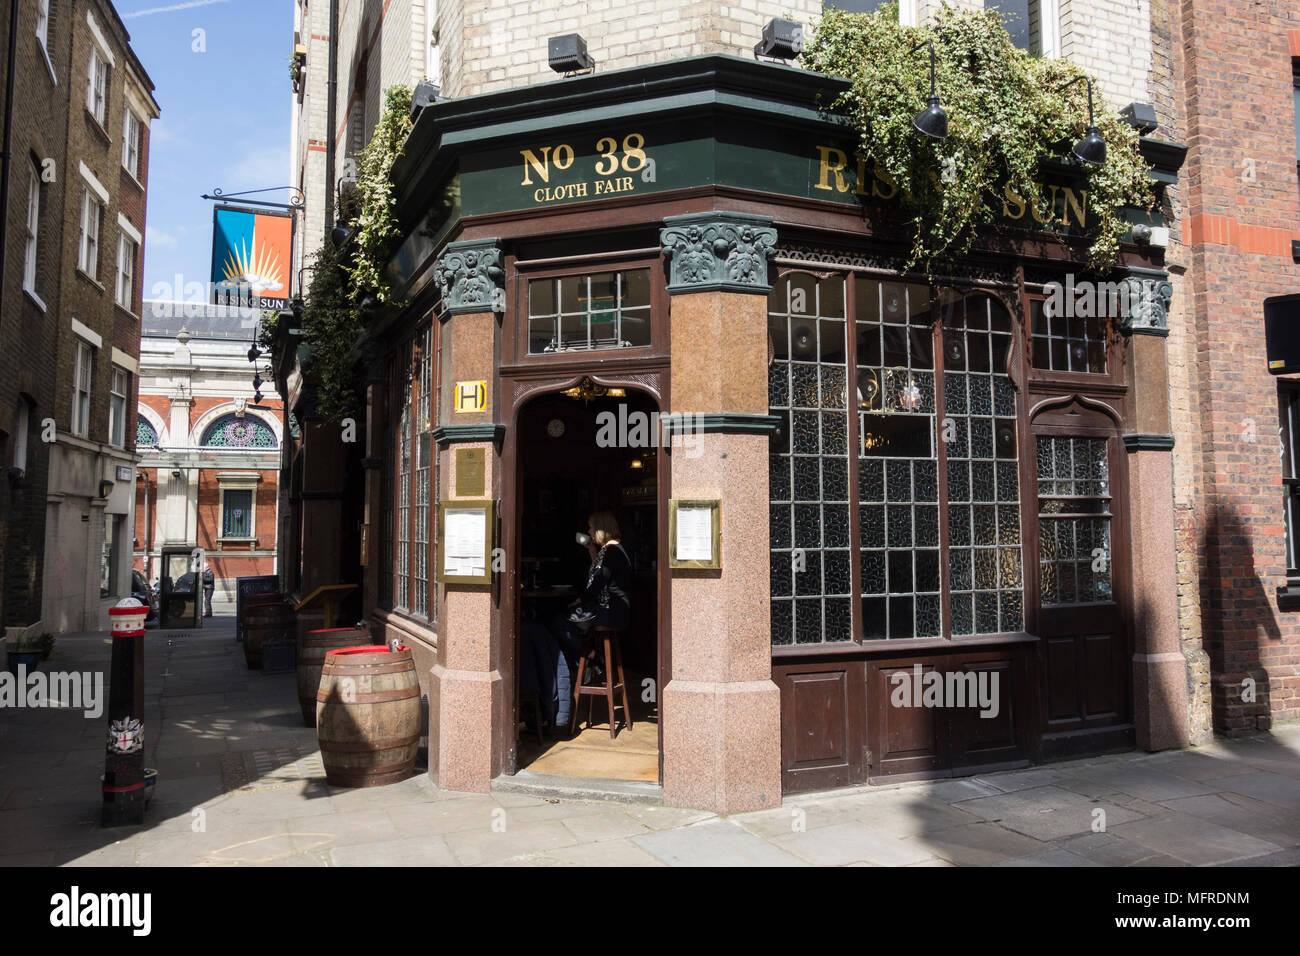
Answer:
(142, 592)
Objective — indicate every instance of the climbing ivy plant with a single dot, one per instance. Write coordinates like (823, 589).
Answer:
(376, 222)
(1008, 116)
(331, 324)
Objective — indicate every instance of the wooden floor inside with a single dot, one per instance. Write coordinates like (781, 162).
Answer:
(631, 755)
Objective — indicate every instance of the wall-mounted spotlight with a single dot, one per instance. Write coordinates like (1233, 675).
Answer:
(1141, 116)
(782, 40)
(931, 121)
(105, 488)
(568, 54)
(1092, 148)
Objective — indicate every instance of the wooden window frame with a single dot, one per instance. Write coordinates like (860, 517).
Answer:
(1016, 361)
(517, 344)
(1076, 381)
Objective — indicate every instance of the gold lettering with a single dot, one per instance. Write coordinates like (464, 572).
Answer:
(606, 155)
(1015, 198)
(828, 167)
(540, 166)
(1080, 205)
(1051, 208)
(860, 186)
(580, 189)
(882, 176)
(564, 149)
(632, 144)
(537, 195)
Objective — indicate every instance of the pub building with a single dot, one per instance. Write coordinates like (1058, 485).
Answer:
(867, 471)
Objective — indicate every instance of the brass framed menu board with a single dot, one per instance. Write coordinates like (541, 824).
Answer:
(465, 529)
(695, 534)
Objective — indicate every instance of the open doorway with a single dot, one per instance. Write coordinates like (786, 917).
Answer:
(577, 454)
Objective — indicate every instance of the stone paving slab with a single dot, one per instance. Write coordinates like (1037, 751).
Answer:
(241, 784)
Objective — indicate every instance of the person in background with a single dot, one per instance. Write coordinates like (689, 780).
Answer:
(209, 585)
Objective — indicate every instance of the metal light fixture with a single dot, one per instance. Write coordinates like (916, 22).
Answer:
(568, 54)
(1092, 148)
(257, 382)
(253, 353)
(782, 40)
(931, 121)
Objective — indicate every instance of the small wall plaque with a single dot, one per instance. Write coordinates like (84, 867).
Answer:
(471, 469)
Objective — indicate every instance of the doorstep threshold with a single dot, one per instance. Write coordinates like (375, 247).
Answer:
(579, 788)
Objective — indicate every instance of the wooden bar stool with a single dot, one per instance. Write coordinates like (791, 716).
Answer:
(613, 658)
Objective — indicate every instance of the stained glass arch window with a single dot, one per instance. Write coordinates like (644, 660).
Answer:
(145, 436)
(231, 431)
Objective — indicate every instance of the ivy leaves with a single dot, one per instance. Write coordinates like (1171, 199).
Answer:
(376, 222)
(1008, 116)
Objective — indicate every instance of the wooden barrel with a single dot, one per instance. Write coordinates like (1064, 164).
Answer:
(265, 622)
(368, 715)
(311, 658)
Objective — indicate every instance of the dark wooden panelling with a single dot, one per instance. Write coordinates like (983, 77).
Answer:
(822, 724)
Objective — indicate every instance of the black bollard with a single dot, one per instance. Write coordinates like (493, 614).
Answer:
(124, 794)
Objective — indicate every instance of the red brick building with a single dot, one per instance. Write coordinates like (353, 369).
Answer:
(210, 452)
(1235, 76)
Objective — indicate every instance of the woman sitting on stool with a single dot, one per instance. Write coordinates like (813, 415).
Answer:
(608, 594)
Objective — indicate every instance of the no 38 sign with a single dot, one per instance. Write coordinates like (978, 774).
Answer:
(614, 156)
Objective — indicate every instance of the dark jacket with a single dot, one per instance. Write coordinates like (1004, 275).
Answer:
(209, 580)
(609, 588)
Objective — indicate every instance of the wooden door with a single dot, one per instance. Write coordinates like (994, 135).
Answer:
(1081, 575)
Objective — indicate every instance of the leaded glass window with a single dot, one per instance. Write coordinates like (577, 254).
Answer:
(1074, 512)
(231, 431)
(898, 488)
(931, 491)
(145, 436)
(402, 574)
(809, 466)
(423, 466)
(983, 486)
(1067, 343)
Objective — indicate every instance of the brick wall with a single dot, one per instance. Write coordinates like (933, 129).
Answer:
(28, 330)
(1235, 63)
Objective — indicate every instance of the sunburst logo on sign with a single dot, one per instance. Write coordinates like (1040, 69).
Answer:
(251, 267)
(251, 256)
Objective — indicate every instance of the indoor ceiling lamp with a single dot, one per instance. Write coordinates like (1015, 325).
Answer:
(1092, 148)
(931, 121)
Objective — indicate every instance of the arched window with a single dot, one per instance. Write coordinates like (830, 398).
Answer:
(145, 436)
(231, 431)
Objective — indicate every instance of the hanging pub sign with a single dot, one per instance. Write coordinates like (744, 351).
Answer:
(252, 258)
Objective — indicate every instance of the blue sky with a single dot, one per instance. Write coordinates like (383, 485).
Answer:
(225, 118)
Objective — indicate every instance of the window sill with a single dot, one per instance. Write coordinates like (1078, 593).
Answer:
(31, 294)
(97, 126)
(123, 309)
(82, 273)
(133, 178)
(45, 55)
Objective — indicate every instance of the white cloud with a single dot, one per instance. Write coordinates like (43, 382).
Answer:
(172, 8)
(156, 237)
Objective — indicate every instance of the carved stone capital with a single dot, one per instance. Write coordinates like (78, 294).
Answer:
(472, 276)
(718, 251)
(1149, 294)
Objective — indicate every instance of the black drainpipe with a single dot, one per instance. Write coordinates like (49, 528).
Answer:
(331, 117)
(8, 141)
